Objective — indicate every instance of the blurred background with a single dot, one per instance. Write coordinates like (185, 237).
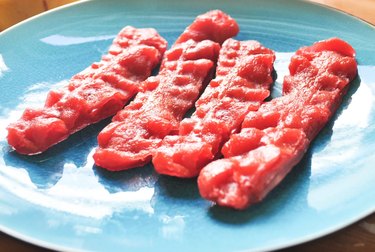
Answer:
(14, 11)
(360, 8)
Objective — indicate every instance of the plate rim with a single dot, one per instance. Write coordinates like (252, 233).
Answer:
(79, 2)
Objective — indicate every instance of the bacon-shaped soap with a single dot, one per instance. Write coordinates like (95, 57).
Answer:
(274, 138)
(214, 25)
(91, 95)
(243, 79)
(136, 131)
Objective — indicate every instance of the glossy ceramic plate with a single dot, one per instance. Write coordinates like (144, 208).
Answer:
(60, 200)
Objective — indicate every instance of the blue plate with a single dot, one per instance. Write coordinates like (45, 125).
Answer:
(61, 200)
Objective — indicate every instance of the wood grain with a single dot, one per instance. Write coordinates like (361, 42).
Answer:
(359, 237)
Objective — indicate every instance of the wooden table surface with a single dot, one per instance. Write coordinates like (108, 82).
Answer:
(359, 237)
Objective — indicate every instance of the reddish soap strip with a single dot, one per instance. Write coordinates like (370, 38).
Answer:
(275, 138)
(243, 79)
(92, 95)
(139, 128)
